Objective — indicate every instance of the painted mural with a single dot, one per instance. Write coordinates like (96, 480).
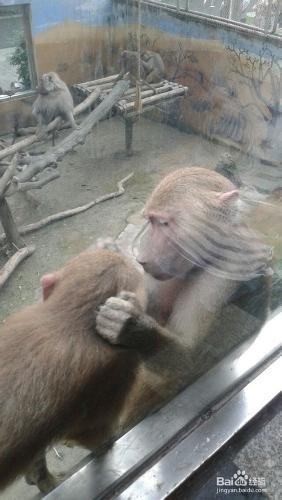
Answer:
(234, 76)
(71, 37)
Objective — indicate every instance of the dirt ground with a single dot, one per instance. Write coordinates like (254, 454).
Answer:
(90, 171)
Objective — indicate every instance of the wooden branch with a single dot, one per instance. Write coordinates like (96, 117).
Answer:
(39, 163)
(8, 174)
(23, 144)
(3, 143)
(18, 146)
(73, 211)
(26, 186)
(13, 263)
(88, 102)
(106, 79)
(178, 92)
(10, 228)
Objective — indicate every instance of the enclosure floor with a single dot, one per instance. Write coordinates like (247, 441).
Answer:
(90, 171)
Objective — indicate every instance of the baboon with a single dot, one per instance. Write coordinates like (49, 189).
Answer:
(151, 69)
(153, 66)
(58, 378)
(129, 62)
(203, 267)
(54, 100)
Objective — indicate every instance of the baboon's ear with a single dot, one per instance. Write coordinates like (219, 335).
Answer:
(48, 282)
(229, 197)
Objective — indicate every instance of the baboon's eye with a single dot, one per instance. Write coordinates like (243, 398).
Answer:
(163, 222)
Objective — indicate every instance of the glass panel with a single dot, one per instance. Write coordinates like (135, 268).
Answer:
(184, 102)
(263, 14)
(14, 60)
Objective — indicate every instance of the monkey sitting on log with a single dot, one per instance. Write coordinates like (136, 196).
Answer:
(54, 99)
(58, 378)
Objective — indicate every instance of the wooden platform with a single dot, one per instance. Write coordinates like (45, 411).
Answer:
(161, 92)
(128, 107)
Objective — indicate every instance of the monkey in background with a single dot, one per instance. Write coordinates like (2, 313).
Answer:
(58, 378)
(152, 68)
(54, 99)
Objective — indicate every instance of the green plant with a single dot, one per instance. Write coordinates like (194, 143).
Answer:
(20, 59)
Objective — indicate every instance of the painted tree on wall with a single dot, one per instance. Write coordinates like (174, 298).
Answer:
(262, 75)
(259, 73)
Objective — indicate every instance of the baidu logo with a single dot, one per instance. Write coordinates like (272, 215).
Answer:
(240, 482)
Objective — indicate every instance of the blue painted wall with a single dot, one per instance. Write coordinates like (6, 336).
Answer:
(49, 13)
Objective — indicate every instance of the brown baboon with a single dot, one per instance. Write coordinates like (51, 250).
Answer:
(153, 66)
(202, 262)
(54, 99)
(149, 67)
(58, 378)
(129, 62)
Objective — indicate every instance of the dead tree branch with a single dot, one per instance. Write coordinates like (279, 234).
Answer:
(13, 263)
(26, 186)
(7, 176)
(23, 144)
(10, 229)
(39, 163)
(73, 211)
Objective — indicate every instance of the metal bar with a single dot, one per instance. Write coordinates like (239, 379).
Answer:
(210, 19)
(128, 126)
(11, 16)
(141, 447)
(17, 96)
(29, 45)
(188, 456)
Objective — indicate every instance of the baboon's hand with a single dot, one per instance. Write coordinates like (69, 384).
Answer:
(115, 313)
(107, 244)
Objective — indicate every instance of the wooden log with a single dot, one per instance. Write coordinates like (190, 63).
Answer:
(26, 186)
(88, 102)
(145, 93)
(39, 163)
(103, 86)
(8, 174)
(18, 146)
(156, 86)
(156, 98)
(74, 211)
(106, 79)
(13, 263)
(10, 229)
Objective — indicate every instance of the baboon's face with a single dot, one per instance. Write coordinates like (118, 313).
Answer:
(47, 83)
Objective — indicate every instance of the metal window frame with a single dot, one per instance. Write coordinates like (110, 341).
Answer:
(25, 8)
(207, 18)
(166, 448)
